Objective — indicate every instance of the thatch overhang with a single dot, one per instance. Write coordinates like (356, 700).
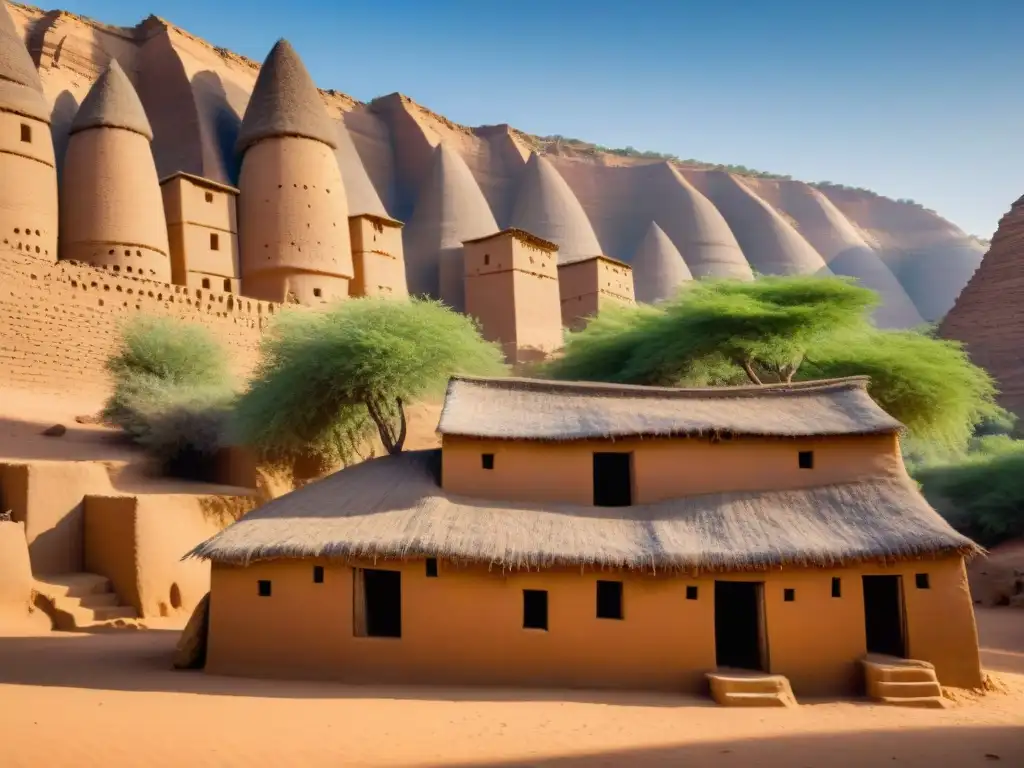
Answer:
(394, 508)
(536, 409)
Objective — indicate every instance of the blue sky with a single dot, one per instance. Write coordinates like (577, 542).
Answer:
(906, 97)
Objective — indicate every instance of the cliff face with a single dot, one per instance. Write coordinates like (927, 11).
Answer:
(722, 225)
(989, 315)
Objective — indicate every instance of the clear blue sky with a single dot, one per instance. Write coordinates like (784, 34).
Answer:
(909, 98)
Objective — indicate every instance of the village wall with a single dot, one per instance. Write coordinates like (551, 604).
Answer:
(465, 627)
(60, 322)
(15, 571)
(662, 468)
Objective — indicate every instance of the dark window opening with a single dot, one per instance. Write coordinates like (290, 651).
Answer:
(318, 574)
(487, 460)
(378, 603)
(227, 285)
(739, 631)
(431, 567)
(921, 581)
(317, 292)
(788, 595)
(883, 615)
(206, 282)
(613, 479)
(487, 259)
(806, 459)
(535, 609)
(214, 241)
(609, 599)
(264, 587)
(837, 587)
(691, 593)
(209, 197)
(26, 133)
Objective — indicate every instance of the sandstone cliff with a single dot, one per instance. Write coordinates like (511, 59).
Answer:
(721, 224)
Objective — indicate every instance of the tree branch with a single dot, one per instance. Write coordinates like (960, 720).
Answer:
(386, 438)
(748, 367)
(403, 428)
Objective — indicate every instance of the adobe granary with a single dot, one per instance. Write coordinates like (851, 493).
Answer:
(512, 290)
(589, 285)
(111, 210)
(293, 215)
(377, 257)
(592, 535)
(28, 206)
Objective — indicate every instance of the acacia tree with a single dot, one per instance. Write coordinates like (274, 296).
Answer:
(327, 380)
(781, 329)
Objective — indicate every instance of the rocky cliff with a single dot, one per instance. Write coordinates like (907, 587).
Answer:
(721, 224)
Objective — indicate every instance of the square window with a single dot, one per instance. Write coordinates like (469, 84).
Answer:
(806, 459)
(318, 574)
(487, 460)
(318, 292)
(209, 197)
(837, 587)
(691, 593)
(431, 567)
(609, 599)
(535, 609)
(264, 587)
(214, 241)
(206, 281)
(227, 285)
(26, 133)
(487, 259)
(789, 595)
(921, 581)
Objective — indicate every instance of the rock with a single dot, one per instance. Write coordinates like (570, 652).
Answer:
(190, 653)
(57, 430)
(87, 419)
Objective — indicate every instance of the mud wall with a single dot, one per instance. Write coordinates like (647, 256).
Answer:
(15, 571)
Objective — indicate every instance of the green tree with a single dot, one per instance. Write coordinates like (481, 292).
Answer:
(326, 380)
(781, 329)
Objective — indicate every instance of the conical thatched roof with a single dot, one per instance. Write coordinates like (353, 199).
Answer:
(547, 207)
(21, 91)
(540, 409)
(394, 507)
(285, 102)
(658, 267)
(112, 103)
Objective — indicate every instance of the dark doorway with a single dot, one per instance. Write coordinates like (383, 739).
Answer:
(613, 479)
(883, 615)
(738, 625)
(383, 603)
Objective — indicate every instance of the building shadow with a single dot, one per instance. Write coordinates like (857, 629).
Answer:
(956, 747)
(221, 121)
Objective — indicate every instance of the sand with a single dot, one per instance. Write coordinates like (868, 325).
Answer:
(110, 699)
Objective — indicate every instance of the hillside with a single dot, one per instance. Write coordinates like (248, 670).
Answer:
(724, 221)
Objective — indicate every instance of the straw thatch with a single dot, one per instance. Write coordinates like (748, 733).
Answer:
(21, 91)
(112, 102)
(393, 507)
(535, 409)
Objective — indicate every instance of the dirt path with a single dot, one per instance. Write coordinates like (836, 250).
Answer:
(110, 700)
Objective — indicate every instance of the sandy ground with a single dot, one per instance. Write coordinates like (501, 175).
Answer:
(110, 700)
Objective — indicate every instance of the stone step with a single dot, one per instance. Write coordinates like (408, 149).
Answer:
(72, 584)
(919, 702)
(99, 600)
(734, 699)
(891, 668)
(112, 612)
(884, 689)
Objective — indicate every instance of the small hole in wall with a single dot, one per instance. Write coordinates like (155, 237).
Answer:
(175, 596)
(26, 133)
(206, 282)
(17, 231)
(209, 197)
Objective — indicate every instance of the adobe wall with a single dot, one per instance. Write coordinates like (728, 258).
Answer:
(465, 627)
(15, 571)
(378, 259)
(199, 217)
(662, 468)
(111, 209)
(590, 285)
(60, 322)
(138, 541)
(28, 194)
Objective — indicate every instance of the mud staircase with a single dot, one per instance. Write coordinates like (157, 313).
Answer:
(79, 601)
(746, 688)
(902, 682)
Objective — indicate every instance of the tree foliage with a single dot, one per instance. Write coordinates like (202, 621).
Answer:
(781, 329)
(327, 380)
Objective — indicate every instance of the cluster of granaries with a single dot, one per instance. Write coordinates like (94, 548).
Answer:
(284, 234)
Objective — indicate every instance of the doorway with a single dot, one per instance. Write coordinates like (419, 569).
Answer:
(883, 615)
(613, 479)
(739, 625)
(377, 603)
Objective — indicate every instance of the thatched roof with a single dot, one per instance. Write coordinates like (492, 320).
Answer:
(285, 102)
(112, 102)
(21, 91)
(535, 409)
(393, 507)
